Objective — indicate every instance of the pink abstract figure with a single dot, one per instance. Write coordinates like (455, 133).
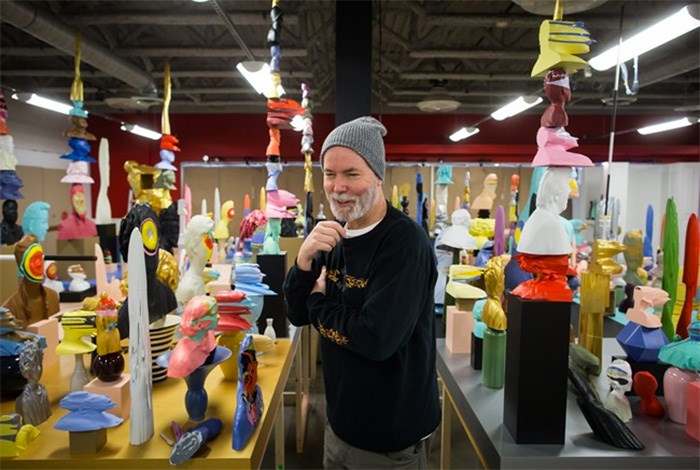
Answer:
(277, 203)
(553, 146)
(199, 320)
(647, 298)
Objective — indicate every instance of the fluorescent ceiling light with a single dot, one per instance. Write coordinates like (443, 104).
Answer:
(666, 30)
(463, 133)
(666, 126)
(40, 101)
(142, 131)
(516, 106)
(258, 75)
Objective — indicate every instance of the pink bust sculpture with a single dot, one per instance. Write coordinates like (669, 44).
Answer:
(77, 224)
(200, 318)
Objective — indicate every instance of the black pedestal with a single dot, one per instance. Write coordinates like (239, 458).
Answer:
(537, 353)
(275, 269)
(109, 240)
(657, 369)
(477, 352)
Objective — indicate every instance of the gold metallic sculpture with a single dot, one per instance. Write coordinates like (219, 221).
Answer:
(595, 294)
(494, 279)
(142, 180)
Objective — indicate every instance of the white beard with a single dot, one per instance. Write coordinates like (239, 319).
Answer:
(360, 207)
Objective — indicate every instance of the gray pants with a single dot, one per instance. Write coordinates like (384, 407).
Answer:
(338, 454)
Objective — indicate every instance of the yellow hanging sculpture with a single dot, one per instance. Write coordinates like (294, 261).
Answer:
(561, 42)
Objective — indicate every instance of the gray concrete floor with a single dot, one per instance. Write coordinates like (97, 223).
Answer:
(462, 457)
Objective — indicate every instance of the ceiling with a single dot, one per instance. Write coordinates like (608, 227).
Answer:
(478, 53)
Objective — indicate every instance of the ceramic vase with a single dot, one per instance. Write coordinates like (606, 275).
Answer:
(109, 367)
(676, 392)
(270, 330)
(196, 398)
(494, 358)
(80, 377)
(11, 378)
(233, 342)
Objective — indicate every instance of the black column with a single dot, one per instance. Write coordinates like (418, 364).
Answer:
(353, 59)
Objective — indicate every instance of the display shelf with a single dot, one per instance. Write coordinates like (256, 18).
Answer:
(50, 449)
(480, 411)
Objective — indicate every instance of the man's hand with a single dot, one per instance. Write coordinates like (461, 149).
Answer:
(320, 285)
(324, 237)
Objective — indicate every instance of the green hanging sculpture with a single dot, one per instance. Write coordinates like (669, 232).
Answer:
(670, 280)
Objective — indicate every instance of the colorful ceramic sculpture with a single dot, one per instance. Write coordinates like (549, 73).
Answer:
(619, 375)
(15, 436)
(77, 225)
(33, 403)
(642, 337)
(10, 183)
(32, 301)
(10, 231)
(77, 325)
(36, 220)
(234, 312)
(199, 244)
(199, 320)
(595, 294)
(86, 412)
(109, 362)
(190, 442)
(645, 385)
(249, 404)
(78, 281)
(141, 268)
(160, 298)
(103, 211)
(483, 203)
(604, 423)
(690, 274)
(494, 360)
(51, 280)
(561, 42)
(670, 263)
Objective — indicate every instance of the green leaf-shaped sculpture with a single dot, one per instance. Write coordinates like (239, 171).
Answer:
(670, 280)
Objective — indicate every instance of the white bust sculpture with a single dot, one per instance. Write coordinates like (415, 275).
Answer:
(78, 281)
(543, 233)
(199, 244)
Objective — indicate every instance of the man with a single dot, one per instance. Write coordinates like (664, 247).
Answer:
(366, 284)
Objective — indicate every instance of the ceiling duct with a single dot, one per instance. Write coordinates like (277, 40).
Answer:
(439, 100)
(54, 32)
(126, 100)
(546, 7)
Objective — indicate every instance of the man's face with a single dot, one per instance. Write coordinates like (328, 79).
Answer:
(350, 185)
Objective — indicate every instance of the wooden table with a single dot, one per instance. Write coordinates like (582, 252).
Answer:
(480, 411)
(50, 449)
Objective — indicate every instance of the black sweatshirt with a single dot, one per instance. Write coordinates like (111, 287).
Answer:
(377, 329)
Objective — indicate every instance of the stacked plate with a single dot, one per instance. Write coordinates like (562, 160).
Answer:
(162, 333)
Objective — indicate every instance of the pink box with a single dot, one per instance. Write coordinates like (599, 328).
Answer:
(458, 336)
(119, 391)
(48, 329)
(692, 424)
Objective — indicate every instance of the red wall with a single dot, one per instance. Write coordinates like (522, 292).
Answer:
(239, 137)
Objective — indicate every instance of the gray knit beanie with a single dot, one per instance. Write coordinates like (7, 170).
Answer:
(362, 135)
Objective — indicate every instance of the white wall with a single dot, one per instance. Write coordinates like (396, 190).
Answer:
(638, 185)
